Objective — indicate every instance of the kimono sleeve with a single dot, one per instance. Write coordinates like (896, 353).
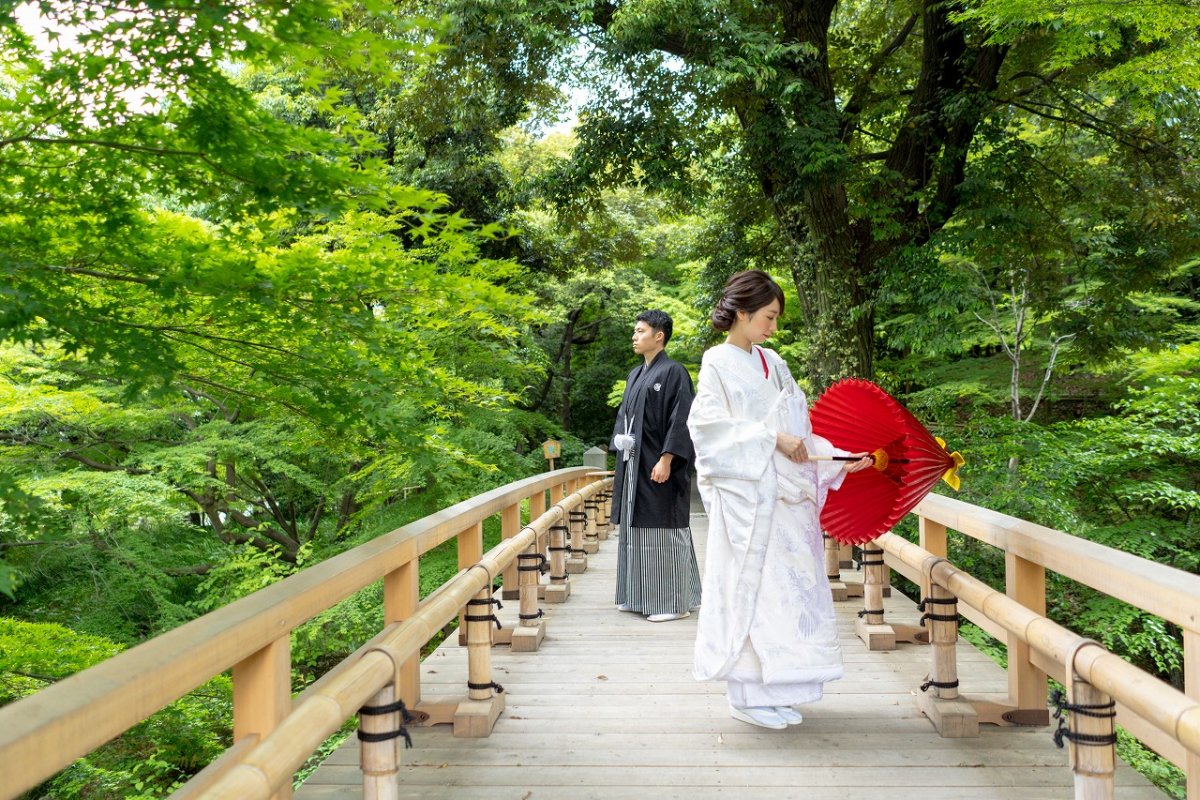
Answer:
(677, 441)
(727, 446)
(830, 474)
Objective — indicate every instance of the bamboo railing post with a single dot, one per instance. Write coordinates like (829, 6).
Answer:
(846, 556)
(379, 751)
(556, 493)
(932, 538)
(603, 515)
(1090, 728)
(1191, 687)
(510, 524)
(527, 636)
(577, 561)
(587, 524)
(1025, 582)
(401, 599)
(939, 695)
(870, 626)
(262, 694)
(470, 550)
(559, 588)
(833, 569)
(537, 507)
(477, 714)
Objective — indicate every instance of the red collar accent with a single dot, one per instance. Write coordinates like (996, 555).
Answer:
(766, 372)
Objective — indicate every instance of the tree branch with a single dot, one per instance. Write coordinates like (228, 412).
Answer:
(858, 95)
(126, 148)
(1054, 346)
(101, 467)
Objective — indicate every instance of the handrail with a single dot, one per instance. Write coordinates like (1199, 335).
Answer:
(1164, 591)
(1168, 709)
(1029, 551)
(271, 764)
(82, 712)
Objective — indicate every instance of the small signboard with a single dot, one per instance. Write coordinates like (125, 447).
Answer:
(551, 449)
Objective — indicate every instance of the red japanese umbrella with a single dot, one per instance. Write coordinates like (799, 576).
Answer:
(857, 415)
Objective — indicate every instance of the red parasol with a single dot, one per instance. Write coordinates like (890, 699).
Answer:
(857, 415)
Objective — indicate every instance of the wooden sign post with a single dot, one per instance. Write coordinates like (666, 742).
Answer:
(551, 450)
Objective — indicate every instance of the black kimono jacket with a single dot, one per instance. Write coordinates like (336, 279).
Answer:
(657, 400)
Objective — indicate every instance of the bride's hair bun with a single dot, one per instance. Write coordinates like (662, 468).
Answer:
(745, 291)
(723, 315)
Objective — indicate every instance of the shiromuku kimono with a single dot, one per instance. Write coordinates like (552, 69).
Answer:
(767, 626)
(657, 572)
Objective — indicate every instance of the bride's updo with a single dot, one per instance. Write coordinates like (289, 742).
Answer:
(745, 291)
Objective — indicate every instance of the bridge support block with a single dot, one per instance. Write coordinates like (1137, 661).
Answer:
(528, 638)
(591, 548)
(577, 563)
(558, 592)
(474, 719)
(875, 637)
(909, 633)
(953, 719)
(436, 710)
(1008, 715)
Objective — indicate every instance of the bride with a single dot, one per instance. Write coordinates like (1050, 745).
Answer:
(767, 626)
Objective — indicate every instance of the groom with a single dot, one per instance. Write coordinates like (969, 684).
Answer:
(657, 573)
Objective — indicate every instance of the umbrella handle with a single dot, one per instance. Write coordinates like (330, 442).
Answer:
(879, 457)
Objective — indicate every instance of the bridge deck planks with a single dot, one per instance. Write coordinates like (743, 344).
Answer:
(608, 709)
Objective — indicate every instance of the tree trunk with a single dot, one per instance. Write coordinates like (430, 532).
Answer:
(568, 346)
(840, 322)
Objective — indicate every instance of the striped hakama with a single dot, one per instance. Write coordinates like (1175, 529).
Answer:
(657, 571)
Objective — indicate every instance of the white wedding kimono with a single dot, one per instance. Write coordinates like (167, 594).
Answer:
(767, 624)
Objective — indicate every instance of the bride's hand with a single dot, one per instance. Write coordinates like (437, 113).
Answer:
(864, 461)
(791, 446)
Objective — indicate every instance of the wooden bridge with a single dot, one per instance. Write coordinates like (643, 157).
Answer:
(602, 704)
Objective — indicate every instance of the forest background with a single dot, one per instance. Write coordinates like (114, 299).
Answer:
(280, 277)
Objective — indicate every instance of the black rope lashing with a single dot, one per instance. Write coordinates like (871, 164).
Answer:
(483, 618)
(866, 611)
(383, 736)
(578, 515)
(939, 601)
(540, 567)
(489, 685)
(868, 558)
(1082, 739)
(1096, 710)
(559, 578)
(491, 601)
(528, 617)
(936, 601)
(939, 684)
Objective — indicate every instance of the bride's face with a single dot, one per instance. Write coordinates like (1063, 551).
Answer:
(761, 324)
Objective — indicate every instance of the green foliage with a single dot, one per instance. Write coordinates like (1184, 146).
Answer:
(149, 761)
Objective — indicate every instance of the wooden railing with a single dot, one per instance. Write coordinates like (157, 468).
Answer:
(1163, 718)
(273, 733)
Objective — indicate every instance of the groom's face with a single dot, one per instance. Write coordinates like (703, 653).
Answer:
(645, 338)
